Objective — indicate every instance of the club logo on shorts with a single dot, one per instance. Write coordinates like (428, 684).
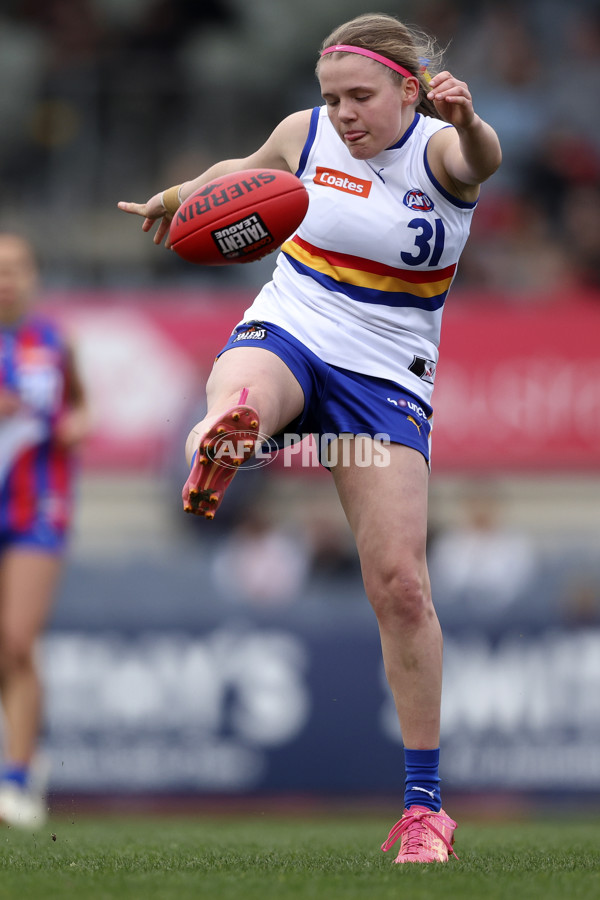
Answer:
(402, 403)
(418, 200)
(423, 368)
(242, 237)
(253, 333)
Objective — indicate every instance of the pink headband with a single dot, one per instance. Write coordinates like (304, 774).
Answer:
(348, 48)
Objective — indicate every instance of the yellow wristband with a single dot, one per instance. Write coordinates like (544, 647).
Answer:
(170, 199)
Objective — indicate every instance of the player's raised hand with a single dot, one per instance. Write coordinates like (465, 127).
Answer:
(151, 210)
(452, 99)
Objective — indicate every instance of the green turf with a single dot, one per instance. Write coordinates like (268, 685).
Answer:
(258, 857)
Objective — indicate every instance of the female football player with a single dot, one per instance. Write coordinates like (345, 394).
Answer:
(350, 328)
(43, 417)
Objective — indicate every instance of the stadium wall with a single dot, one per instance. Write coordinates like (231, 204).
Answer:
(519, 383)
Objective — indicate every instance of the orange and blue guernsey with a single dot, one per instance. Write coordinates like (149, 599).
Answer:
(364, 279)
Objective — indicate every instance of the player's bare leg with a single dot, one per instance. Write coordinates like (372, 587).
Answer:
(251, 394)
(387, 510)
(28, 581)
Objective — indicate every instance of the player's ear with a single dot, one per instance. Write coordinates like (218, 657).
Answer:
(411, 90)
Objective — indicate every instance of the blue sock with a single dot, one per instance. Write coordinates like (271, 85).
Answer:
(422, 785)
(18, 774)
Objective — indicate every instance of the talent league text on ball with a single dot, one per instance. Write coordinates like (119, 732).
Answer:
(249, 233)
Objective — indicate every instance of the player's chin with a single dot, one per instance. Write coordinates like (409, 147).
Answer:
(358, 150)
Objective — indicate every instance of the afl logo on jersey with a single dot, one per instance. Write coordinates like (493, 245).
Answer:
(418, 200)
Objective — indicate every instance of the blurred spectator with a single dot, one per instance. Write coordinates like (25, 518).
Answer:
(261, 562)
(481, 564)
(514, 249)
(581, 217)
(22, 61)
(334, 553)
(521, 70)
(562, 178)
(497, 54)
(99, 87)
(580, 606)
(577, 57)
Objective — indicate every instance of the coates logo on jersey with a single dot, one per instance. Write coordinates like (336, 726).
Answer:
(342, 182)
(418, 200)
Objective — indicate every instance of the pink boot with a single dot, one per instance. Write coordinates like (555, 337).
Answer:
(427, 836)
(222, 450)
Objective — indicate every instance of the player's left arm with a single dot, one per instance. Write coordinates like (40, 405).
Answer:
(281, 150)
(470, 152)
(73, 425)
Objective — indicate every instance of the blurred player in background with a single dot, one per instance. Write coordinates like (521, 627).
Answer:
(349, 334)
(43, 418)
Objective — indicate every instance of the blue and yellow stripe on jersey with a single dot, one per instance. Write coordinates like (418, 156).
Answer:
(368, 281)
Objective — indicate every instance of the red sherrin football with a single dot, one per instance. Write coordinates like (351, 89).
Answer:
(238, 218)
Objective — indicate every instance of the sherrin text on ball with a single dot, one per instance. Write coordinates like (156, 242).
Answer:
(239, 217)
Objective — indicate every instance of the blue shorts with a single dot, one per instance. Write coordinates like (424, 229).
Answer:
(41, 536)
(339, 401)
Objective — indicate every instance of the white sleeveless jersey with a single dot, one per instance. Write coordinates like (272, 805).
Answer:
(363, 281)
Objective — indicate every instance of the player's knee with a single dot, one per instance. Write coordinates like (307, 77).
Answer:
(398, 593)
(16, 652)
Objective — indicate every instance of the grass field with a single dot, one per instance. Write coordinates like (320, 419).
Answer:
(255, 857)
